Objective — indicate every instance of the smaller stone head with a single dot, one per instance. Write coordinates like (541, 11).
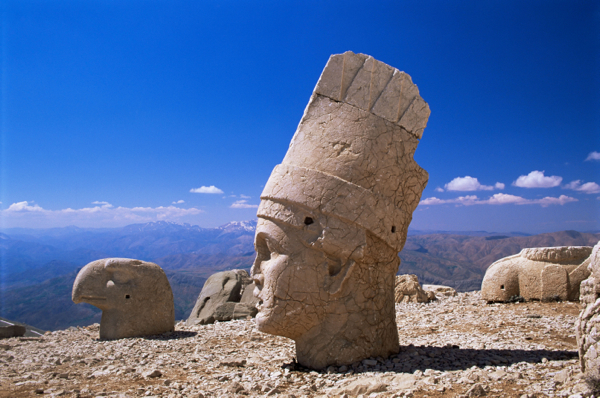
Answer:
(135, 297)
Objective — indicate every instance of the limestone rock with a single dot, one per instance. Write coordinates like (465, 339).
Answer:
(135, 297)
(408, 290)
(225, 296)
(364, 386)
(335, 213)
(544, 273)
(588, 324)
(440, 290)
(477, 390)
(12, 331)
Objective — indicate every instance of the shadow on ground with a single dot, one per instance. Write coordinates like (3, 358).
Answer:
(411, 359)
(178, 335)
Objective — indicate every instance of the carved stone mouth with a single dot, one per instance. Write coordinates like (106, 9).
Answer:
(92, 298)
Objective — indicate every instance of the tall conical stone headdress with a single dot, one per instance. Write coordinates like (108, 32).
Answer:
(352, 154)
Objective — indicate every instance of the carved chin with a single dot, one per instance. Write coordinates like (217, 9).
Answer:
(265, 324)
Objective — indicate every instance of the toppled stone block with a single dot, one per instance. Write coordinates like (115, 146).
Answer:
(587, 326)
(12, 331)
(440, 290)
(543, 273)
(135, 297)
(335, 213)
(409, 290)
(225, 296)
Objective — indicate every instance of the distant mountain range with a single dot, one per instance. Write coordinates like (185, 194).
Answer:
(38, 267)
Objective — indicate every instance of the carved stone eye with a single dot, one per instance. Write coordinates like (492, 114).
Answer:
(308, 221)
(334, 266)
(127, 296)
(393, 229)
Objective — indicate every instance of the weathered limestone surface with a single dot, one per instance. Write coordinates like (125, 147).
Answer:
(440, 290)
(409, 290)
(588, 323)
(335, 213)
(135, 297)
(544, 273)
(225, 296)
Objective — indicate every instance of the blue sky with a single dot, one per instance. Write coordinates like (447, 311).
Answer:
(121, 112)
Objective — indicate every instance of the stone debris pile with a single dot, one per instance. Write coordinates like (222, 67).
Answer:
(447, 348)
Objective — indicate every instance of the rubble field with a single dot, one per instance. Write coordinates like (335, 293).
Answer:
(452, 347)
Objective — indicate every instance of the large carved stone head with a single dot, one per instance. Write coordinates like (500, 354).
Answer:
(335, 213)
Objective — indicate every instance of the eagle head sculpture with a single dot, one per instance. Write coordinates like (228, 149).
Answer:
(135, 297)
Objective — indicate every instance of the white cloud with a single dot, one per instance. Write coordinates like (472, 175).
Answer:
(537, 179)
(179, 202)
(461, 200)
(203, 189)
(561, 200)
(438, 189)
(102, 215)
(588, 187)
(432, 201)
(499, 199)
(245, 197)
(242, 204)
(103, 204)
(23, 207)
(503, 199)
(466, 184)
(593, 156)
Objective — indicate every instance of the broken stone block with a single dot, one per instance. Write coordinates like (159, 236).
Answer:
(440, 290)
(543, 273)
(12, 331)
(409, 290)
(220, 298)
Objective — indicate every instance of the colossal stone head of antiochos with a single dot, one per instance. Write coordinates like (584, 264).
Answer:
(335, 213)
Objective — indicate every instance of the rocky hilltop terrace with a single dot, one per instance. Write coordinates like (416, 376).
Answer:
(332, 318)
(450, 347)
